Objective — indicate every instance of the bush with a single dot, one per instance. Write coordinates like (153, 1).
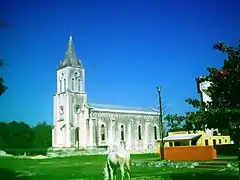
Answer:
(28, 152)
(226, 149)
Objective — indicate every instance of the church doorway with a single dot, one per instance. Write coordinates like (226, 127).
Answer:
(77, 137)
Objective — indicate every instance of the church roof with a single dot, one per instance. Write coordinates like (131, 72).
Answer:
(112, 108)
(70, 58)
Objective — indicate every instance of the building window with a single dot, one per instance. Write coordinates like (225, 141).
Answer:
(177, 144)
(219, 141)
(206, 142)
(214, 142)
(215, 133)
(65, 85)
(60, 85)
(122, 133)
(72, 84)
(155, 132)
(139, 132)
(103, 133)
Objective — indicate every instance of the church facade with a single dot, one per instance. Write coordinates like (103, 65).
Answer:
(79, 124)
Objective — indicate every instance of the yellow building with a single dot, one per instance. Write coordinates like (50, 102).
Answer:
(199, 138)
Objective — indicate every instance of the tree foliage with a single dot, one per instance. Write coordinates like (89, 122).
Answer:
(174, 123)
(18, 137)
(224, 109)
(42, 135)
(3, 88)
(188, 122)
(223, 112)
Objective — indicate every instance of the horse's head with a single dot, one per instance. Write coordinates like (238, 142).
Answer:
(106, 173)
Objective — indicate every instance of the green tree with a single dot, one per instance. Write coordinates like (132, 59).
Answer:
(3, 88)
(42, 136)
(224, 109)
(17, 137)
(189, 122)
(174, 123)
(3, 134)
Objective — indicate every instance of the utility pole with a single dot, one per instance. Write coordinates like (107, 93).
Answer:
(159, 89)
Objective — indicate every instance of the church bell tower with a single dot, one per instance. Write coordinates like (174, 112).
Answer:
(69, 101)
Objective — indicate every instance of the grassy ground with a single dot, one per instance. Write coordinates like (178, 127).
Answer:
(90, 168)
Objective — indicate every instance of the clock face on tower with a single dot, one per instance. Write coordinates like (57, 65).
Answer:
(77, 109)
(61, 110)
(76, 74)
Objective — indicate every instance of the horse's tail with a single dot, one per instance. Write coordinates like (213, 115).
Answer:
(128, 165)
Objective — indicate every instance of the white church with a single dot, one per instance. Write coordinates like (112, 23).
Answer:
(79, 124)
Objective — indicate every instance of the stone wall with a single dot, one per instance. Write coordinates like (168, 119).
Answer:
(122, 130)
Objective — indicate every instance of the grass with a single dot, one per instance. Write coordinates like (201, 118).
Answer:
(90, 168)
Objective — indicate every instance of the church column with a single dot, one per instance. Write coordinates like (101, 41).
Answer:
(118, 133)
(95, 132)
(72, 136)
(129, 144)
(90, 143)
(86, 138)
(67, 123)
(111, 133)
(63, 136)
(146, 135)
(58, 135)
(68, 136)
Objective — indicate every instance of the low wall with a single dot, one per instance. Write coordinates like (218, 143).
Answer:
(190, 153)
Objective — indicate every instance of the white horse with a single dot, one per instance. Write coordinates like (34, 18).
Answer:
(117, 159)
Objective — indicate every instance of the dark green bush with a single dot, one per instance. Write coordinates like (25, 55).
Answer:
(226, 149)
(28, 152)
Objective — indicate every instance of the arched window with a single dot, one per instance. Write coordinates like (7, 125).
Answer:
(103, 133)
(139, 132)
(215, 133)
(60, 86)
(79, 84)
(122, 133)
(155, 132)
(72, 84)
(65, 85)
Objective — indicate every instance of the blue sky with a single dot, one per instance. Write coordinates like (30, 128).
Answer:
(127, 48)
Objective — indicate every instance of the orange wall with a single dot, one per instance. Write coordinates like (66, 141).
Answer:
(190, 153)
